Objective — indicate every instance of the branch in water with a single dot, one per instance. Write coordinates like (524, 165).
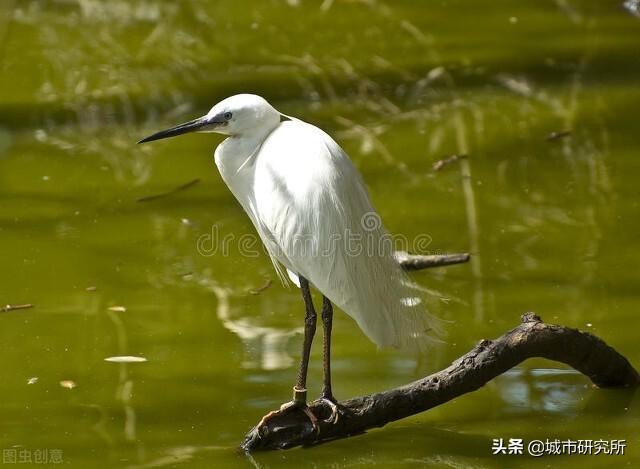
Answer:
(7, 308)
(490, 358)
(418, 262)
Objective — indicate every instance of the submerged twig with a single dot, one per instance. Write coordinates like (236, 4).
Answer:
(257, 291)
(7, 308)
(438, 165)
(553, 136)
(489, 358)
(180, 188)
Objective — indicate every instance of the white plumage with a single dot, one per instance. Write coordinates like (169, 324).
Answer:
(312, 212)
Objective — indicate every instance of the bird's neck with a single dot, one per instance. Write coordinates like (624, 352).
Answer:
(236, 155)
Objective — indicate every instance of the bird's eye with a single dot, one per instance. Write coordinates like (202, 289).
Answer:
(227, 115)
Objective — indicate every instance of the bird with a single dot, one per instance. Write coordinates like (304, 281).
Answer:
(311, 209)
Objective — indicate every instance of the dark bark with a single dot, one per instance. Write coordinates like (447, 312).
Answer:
(488, 359)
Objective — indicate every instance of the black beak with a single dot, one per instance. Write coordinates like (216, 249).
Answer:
(191, 126)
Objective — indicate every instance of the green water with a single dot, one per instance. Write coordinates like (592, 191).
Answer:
(552, 225)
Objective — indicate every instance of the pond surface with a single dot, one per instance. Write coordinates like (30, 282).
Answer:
(552, 222)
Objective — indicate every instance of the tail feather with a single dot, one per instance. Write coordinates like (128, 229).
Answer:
(403, 320)
(382, 301)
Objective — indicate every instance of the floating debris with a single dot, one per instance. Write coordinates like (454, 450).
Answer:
(7, 308)
(257, 291)
(68, 384)
(91, 288)
(438, 165)
(125, 359)
(558, 135)
(117, 309)
(183, 187)
(33, 380)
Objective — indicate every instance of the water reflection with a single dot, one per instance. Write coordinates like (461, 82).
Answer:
(542, 389)
(124, 389)
(264, 347)
(180, 455)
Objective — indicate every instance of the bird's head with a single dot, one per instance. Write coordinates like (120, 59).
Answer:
(235, 115)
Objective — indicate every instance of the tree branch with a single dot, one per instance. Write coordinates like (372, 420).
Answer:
(417, 261)
(488, 359)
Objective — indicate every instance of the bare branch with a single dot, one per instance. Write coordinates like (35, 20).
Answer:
(488, 359)
(418, 262)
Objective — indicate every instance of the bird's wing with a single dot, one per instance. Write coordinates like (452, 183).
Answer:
(315, 206)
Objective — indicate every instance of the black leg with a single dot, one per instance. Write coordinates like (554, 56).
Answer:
(327, 321)
(327, 394)
(300, 389)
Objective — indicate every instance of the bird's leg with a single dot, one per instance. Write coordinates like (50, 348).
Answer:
(327, 322)
(300, 389)
(327, 394)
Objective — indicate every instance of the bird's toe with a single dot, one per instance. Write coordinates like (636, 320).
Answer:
(285, 409)
(332, 404)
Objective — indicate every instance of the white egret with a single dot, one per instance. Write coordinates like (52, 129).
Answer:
(311, 209)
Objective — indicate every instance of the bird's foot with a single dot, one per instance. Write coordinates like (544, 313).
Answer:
(298, 403)
(327, 399)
